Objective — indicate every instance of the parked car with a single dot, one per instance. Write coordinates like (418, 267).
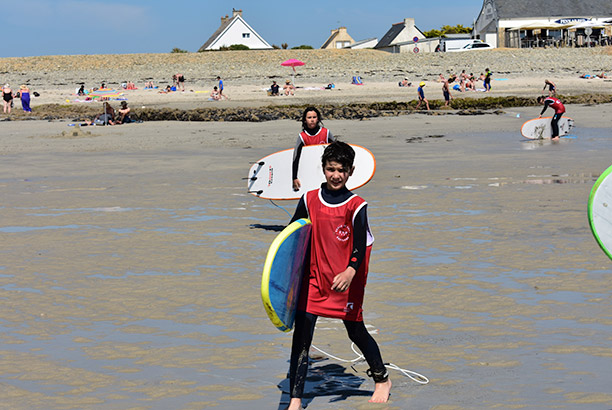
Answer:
(471, 47)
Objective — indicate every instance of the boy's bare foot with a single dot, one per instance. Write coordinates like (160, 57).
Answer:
(381, 392)
(555, 139)
(295, 404)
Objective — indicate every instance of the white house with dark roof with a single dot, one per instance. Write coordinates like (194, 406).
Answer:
(536, 23)
(400, 37)
(235, 30)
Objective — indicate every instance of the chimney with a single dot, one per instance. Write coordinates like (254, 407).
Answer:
(236, 12)
(224, 19)
(409, 22)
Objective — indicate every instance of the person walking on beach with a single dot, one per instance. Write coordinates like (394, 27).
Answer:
(221, 95)
(552, 88)
(487, 80)
(334, 284)
(422, 96)
(446, 90)
(559, 108)
(313, 133)
(179, 81)
(24, 95)
(7, 98)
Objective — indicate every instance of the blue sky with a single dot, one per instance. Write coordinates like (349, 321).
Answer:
(49, 27)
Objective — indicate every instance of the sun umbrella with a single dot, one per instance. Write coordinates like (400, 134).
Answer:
(292, 62)
(104, 94)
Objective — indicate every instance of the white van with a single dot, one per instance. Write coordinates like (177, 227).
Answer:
(454, 44)
(473, 46)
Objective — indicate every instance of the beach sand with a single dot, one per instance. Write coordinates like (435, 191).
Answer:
(248, 74)
(132, 257)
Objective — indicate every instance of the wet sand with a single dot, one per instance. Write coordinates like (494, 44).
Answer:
(131, 265)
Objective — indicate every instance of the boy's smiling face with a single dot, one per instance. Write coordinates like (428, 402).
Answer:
(336, 175)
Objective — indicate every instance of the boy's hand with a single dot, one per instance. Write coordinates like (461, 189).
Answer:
(296, 184)
(343, 280)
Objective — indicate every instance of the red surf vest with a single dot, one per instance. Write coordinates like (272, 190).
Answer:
(556, 105)
(320, 137)
(331, 245)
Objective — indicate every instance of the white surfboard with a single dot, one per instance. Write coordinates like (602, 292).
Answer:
(540, 128)
(599, 211)
(271, 176)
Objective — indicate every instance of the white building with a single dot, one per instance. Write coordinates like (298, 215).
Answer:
(537, 23)
(367, 43)
(235, 30)
(400, 37)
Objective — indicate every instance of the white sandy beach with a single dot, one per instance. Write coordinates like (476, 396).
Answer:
(247, 74)
(132, 259)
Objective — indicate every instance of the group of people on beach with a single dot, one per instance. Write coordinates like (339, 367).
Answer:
(8, 96)
(288, 89)
(464, 82)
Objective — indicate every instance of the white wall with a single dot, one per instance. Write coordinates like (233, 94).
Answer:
(491, 39)
(234, 35)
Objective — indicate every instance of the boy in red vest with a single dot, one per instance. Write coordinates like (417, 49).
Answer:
(559, 108)
(334, 285)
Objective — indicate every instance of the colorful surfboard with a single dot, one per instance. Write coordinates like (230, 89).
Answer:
(283, 271)
(540, 128)
(271, 176)
(600, 211)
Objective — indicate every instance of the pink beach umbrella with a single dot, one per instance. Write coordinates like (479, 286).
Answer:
(292, 62)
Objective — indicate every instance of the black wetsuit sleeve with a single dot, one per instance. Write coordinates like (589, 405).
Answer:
(300, 211)
(360, 229)
(546, 104)
(297, 153)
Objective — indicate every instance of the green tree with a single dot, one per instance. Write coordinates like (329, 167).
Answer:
(178, 50)
(302, 47)
(433, 33)
(458, 29)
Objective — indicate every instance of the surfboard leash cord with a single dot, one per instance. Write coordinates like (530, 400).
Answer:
(419, 378)
(278, 206)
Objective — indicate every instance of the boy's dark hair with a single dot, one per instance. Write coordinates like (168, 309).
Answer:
(339, 152)
(306, 111)
(540, 98)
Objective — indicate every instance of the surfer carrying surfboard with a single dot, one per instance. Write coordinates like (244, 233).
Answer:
(334, 283)
(313, 133)
(559, 108)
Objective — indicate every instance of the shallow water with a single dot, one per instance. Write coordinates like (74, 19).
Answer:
(132, 281)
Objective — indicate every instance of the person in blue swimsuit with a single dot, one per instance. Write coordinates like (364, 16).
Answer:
(422, 96)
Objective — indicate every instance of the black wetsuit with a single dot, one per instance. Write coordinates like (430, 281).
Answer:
(305, 322)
